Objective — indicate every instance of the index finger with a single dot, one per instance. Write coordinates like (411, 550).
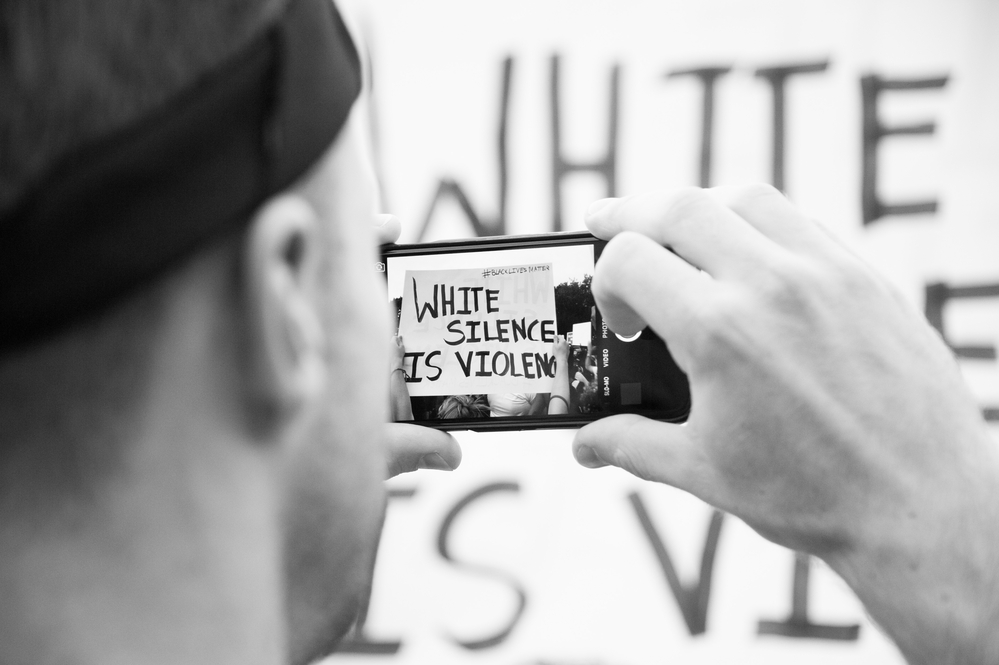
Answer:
(771, 213)
(695, 224)
(637, 282)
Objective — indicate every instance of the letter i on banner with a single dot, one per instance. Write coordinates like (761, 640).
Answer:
(484, 327)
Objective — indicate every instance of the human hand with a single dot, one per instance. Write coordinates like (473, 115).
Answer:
(826, 413)
(560, 349)
(411, 447)
(397, 353)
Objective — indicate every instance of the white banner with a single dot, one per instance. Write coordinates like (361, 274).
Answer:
(479, 330)
(877, 117)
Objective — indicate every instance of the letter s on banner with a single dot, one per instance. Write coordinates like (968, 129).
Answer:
(444, 550)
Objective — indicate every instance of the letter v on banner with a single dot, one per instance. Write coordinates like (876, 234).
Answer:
(693, 600)
(449, 188)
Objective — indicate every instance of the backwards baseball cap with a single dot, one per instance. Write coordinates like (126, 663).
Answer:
(123, 209)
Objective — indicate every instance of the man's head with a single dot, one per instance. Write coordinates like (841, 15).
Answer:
(209, 431)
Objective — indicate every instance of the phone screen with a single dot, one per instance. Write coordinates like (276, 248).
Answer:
(504, 333)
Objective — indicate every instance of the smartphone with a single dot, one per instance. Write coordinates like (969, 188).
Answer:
(503, 333)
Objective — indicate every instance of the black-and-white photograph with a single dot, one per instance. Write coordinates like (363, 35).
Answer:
(468, 332)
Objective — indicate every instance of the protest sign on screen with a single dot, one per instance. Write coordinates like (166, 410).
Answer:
(479, 330)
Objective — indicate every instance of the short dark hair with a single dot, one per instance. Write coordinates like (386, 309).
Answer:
(72, 71)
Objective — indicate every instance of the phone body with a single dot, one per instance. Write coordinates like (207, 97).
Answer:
(479, 319)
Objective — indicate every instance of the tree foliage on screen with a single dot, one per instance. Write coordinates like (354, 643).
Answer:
(573, 303)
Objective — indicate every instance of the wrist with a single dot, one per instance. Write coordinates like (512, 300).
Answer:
(927, 570)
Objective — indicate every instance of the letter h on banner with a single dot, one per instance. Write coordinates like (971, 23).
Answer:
(561, 167)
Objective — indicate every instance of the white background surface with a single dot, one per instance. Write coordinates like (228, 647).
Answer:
(595, 593)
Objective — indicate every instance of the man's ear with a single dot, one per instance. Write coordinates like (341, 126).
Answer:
(287, 341)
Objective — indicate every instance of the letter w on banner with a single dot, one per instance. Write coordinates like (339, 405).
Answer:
(479, 330)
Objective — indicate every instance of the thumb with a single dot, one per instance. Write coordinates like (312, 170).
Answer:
(649, 449)
(411, 447)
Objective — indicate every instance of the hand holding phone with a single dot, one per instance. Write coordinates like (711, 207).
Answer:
(504, 333)
(827, 414)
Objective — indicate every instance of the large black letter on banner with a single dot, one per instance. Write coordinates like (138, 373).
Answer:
(708, 76)
(445, 552)
(561, 167)
(937, 295)
(357, 641)
(693, 600)
(798, 624)
(450, 188)
(871, 87)
(777, 76)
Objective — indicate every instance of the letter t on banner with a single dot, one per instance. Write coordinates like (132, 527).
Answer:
(708, 76)
(777, 76)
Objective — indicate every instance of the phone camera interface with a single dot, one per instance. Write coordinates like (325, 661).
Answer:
(511, 333)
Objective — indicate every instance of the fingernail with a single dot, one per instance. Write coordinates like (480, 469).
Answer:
(434, 461)
(588, 457)
(381, 220)
(598, 205)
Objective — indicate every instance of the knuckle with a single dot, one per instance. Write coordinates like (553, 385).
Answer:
(624, 245)
(852, 277)
(687, 202)
(789, 284)
(718, 322)
(611, 272)
(754, 193)
(719, 318)
(806, 283)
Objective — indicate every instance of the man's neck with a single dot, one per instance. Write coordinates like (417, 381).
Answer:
(151, 572)
(174, 556)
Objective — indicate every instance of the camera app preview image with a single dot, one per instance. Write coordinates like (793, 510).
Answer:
(479, 330)
(485, 322)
